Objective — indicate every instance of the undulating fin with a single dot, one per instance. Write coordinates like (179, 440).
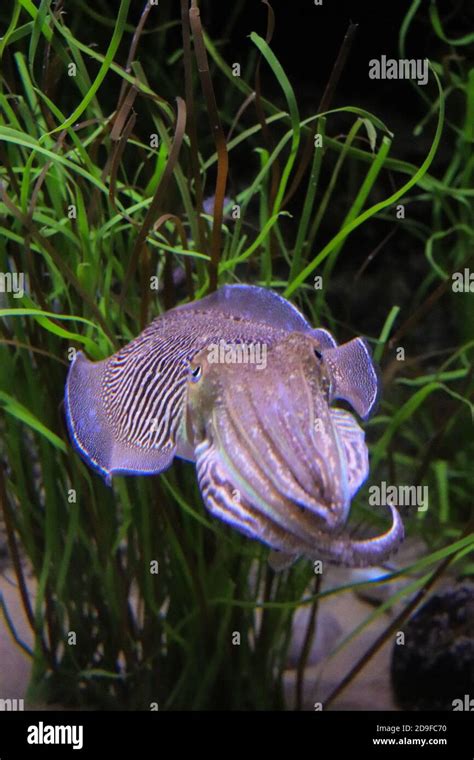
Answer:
(87, 422)
(255, 304)
(354, 375)
(124, 412)
(352, 438)
(93, 432)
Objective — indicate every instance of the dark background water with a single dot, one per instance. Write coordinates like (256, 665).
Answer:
(307, 38)
(306, 41)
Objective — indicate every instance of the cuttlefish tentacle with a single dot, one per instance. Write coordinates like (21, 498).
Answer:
(273, 458)
(370, 551)
(345, 550)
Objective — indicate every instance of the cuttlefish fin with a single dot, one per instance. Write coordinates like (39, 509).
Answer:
(255, 304)
(324, 338)
(85, 414)
(352, 439)
(115, 425)
(354, 375)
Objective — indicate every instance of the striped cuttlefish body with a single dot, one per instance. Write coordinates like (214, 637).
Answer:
(241, 384)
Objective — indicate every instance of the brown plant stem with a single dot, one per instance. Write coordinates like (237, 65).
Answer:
(219, 140)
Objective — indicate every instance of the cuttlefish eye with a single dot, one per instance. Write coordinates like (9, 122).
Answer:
(196, 373)
(318, 354)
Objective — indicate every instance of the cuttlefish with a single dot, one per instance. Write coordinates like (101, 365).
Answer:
(274, 457)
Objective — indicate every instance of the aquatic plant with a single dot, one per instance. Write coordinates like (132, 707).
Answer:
(104, 178)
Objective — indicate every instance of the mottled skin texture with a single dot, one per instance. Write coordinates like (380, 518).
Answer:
(274, 458)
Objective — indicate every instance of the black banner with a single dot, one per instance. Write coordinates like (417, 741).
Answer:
(375, 734)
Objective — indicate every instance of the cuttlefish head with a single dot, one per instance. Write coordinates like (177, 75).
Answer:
(272, 457)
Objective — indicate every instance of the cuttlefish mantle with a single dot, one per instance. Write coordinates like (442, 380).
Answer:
(243, 386)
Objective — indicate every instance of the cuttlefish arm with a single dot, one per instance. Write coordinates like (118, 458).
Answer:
(344, 550)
